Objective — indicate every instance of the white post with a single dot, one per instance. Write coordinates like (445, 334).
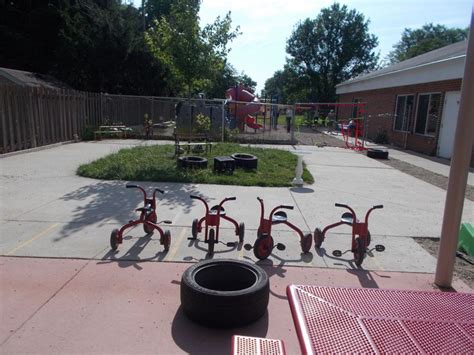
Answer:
(458, 173)
(298, 180)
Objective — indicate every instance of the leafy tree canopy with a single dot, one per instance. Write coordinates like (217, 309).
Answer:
(106, 46)
(329, 49)
(425, 39)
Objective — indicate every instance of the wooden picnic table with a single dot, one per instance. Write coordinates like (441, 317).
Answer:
(118, 130)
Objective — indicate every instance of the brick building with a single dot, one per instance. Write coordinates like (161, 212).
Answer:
(415, 103)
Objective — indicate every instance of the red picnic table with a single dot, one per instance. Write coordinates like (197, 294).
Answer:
(343, 320)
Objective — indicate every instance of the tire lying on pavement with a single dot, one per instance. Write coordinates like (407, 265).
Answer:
(377, 153)
(246, 161)
(224, 293)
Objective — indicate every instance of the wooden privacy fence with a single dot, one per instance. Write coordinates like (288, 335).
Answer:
(35, 116)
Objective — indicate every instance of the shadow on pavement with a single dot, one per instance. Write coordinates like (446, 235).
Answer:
(110, 200)
(193, 338)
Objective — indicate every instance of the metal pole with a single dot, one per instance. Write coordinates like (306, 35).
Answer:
(292, 125)
(459, 171)
(223, 121)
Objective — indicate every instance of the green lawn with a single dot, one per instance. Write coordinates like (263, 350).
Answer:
(157, 163)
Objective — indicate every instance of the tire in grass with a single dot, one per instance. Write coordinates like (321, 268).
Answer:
(224, 293)
(377, 153)
(245, 161)
(192, 162)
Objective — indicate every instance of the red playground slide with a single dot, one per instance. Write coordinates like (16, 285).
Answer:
(250, 121)
(243, 112)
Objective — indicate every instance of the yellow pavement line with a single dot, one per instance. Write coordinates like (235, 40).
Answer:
(24, 244)
(176, 245)
(374, 258)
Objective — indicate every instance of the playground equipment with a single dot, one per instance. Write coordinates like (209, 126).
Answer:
(354, 129)
(148, 218)
(211, 219)
(244, 108)
(264, 244)
(325, 114)
(360, 233)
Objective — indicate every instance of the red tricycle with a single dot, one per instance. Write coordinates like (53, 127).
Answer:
(360, 229)
(264, 244)
(212, 219)
(147, 217)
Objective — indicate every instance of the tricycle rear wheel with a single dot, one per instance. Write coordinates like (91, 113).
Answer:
(318, 238)
(241, 232)
(166, 240)
(306, 243)
(194, 228)
(114, 239)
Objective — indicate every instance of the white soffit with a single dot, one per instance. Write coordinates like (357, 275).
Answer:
(446, 69)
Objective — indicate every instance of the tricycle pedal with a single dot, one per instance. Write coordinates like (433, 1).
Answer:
(337, 253)
(248, 246)
(280, 246)
(380, 248)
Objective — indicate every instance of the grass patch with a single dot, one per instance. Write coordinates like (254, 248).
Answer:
(157, 163)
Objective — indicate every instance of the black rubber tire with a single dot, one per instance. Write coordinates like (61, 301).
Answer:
(194, 228)
(224, 293)
(166, 240)
(263, 247)
(192, 162)
(369, 238)
(359, 252)
(318, 238)
(241, 232)
(114, 239)
(306, 243)
(210, 242)
(246, 161)
(377, 153)
(153, 219)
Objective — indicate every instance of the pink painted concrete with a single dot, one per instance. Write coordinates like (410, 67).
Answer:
(128, 307)
(26, 285)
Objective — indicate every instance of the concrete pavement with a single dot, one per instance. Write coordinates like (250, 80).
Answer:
(48, 211)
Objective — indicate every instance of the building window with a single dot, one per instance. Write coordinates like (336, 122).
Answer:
(427, 114)
(403, 112)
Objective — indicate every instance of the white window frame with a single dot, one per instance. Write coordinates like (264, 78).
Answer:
(396, 110)
(427, 113)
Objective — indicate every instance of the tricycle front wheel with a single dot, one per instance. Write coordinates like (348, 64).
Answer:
(152, 218)
(210, 242)
(318, 238)
(263, 247)
(306, 243)
(359, 252)
(166, 240)
(241, 232)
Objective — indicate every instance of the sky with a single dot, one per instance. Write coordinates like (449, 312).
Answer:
(267, 24)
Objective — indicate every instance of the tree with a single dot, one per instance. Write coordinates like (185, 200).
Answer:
(193, 56)
(425, 39)
(332, 48)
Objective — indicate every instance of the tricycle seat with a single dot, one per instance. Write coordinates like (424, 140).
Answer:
(215, 208)
(144, 209)
(279, 217)
(348, 218)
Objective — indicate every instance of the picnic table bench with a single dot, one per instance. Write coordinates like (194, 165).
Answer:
(188, 140)
(118, 130)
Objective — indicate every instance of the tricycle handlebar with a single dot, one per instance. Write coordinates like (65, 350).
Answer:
(194, 197)
(129, 186)
(341, 205)
(378, 206)
(160, 191)
(231, 198)
(287, 207)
